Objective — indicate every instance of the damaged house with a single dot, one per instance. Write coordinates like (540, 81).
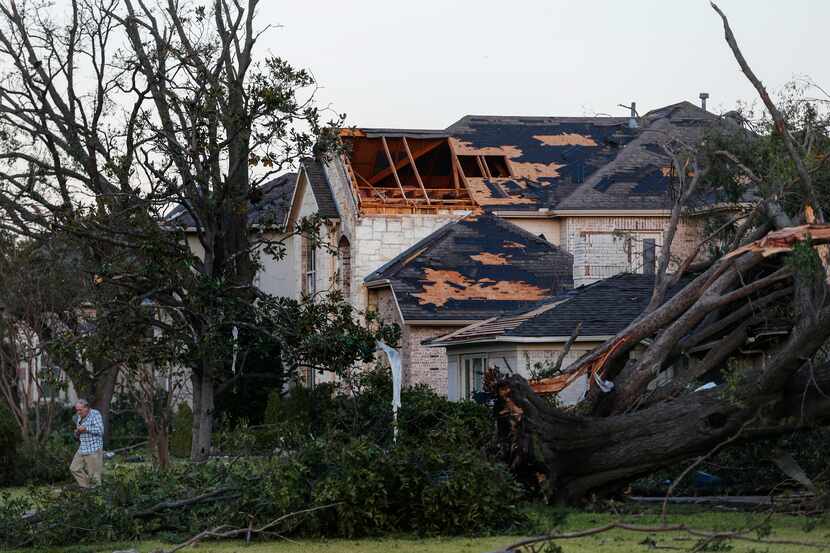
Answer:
(439, 229)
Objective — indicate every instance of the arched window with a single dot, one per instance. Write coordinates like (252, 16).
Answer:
(344, 257)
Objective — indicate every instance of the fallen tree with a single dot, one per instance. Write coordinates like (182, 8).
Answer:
(773, 273)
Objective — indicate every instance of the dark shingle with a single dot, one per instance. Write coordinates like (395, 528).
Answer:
(604, 308)
(473, 269)
(268, 207)
(320, 186)
(635, 177)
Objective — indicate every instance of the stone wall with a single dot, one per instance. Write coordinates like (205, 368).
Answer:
(379, 239)
(605, 246)
(422, 364)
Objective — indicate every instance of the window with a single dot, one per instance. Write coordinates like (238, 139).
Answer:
(344, 255)
(308, 377)
(309, 258)
(472, 375)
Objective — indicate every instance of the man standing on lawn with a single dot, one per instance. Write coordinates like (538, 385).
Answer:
(88, 463)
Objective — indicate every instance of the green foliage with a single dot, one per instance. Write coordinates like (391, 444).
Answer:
(323, 448)
(45, 463)
(181, 437)
(9, 442)
(748, 469)
(804, 259)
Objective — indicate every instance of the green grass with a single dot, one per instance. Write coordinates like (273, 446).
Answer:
(617, 541)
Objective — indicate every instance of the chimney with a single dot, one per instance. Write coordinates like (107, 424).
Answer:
(632, 122)
(703, 97)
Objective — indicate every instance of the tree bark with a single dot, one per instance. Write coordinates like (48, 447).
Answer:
(568, 456)
(102, 398)
(203, 406)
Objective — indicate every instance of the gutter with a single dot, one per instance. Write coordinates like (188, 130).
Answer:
(519, 340)
(378, 283)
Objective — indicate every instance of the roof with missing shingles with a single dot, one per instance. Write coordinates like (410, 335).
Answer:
(571, 163)
(604, 308)
(475, 268)
(638, 176)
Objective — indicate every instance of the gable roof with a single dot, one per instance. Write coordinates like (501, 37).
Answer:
(321, 188)
(268, 204)
(604, 308)
(472, 269)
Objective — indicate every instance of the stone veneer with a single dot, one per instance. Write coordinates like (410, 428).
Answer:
(605, 246)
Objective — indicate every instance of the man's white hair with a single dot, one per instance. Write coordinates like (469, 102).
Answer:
(82, 402)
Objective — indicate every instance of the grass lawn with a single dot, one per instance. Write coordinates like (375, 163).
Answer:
(617, 541)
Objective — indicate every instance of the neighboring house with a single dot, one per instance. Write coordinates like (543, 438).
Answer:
(594, 189)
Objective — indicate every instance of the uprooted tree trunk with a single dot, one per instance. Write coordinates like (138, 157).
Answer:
(640, 426)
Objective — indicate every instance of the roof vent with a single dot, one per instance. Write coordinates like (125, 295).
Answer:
(632, 121)
(703, 97)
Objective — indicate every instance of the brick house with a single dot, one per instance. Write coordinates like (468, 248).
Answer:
(596, 189)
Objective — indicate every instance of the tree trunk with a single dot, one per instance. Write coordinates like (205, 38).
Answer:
(569, 456)
(102, 398)
(202, 414)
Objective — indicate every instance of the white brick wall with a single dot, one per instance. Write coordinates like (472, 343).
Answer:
(605, 246)
(380, 239)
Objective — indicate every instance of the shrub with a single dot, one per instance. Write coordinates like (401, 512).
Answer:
(182, 436)
(45, 463)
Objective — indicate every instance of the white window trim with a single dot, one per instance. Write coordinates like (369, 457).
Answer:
(466, 384)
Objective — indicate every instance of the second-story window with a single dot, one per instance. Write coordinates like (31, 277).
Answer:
(344, 254)
(309, 265)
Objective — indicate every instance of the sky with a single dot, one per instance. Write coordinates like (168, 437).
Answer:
(426, 64)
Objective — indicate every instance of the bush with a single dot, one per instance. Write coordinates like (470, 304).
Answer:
(10, 440)
(182, 436)
(46, 463)
(324, 448)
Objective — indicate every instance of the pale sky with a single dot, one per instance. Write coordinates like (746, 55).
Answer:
(424, 64)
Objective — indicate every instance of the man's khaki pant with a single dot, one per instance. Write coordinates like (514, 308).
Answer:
(87, 469)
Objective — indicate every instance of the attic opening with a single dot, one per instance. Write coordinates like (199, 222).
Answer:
(401, 173)
(484, 166)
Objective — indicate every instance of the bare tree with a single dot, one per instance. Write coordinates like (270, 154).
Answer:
(124, 108)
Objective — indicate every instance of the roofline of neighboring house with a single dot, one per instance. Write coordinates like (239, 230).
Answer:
(255, 226)
(513, 339)
(300, 170)
(290, 209)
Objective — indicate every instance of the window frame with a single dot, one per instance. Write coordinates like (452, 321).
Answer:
(467, 375)
(309, 274)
